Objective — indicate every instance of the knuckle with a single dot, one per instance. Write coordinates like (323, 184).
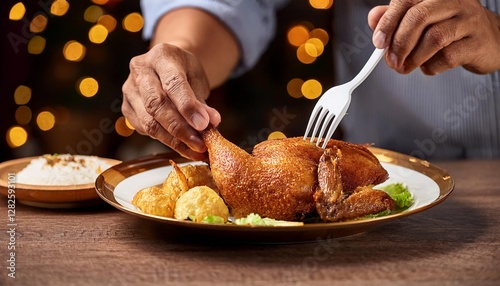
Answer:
(447, 58)
(152, 127)
(152, 101)
(174, 82)
(436, 37)
(136, 63)
(398, 44)
(418, 15)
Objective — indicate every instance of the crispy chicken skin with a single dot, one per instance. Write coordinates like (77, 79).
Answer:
(359, 166)
(333, 204)
(280, 177)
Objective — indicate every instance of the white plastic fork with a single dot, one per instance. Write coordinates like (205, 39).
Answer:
(333, 104)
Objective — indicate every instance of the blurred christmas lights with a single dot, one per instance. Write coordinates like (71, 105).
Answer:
(73, 51)
(309, 42)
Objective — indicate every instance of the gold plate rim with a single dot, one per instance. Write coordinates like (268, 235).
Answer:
(109, 179)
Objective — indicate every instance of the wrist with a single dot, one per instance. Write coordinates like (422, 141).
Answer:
(203, 35)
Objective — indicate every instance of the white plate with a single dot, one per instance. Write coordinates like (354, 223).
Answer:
(423, 188)
(429, 184)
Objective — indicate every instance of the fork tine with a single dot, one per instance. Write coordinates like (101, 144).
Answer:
(332, 128)
(319, 120)
(312, 119)
(326, 123)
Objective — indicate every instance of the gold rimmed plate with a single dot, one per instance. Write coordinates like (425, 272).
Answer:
(71, 196)
(429, 184)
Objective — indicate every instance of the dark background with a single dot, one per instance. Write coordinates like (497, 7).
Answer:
(251, 106)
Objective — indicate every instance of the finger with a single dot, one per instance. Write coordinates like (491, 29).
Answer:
(130, 93)
(145, 124)
(173, 122)
(184, 150)
(157, 114)
(435, 38)
(130, 114)
(414, 25)
(175, 83)
(374, 17)
(214, 115)
(456, 54)
(390, 20)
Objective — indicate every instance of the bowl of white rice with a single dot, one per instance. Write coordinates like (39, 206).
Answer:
(55, 181)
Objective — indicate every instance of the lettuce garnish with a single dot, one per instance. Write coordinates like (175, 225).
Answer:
(400, 194)
(213, 219)
(256, 220)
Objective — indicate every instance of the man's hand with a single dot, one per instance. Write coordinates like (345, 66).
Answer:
(437, 35)
(164, 97)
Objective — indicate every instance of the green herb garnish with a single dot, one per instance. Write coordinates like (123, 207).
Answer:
(400, 194)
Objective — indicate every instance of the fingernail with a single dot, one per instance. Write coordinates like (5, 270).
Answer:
(393, 60)
(379, 39)
(199, 121)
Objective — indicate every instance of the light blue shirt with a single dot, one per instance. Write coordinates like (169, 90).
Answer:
(452, 115)
(252, 22)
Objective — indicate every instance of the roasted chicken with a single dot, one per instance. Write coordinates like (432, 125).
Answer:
(291, 178)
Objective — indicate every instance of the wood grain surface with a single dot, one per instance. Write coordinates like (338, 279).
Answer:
(455, 243)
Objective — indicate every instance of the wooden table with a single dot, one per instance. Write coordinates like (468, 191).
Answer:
(456, 242)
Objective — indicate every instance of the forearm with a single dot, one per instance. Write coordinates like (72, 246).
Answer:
(203, 35)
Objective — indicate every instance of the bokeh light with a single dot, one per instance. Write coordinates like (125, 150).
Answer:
(23, 115)
(93, 13)
(98, 34)
(45, 120)
(314, 47)
(133, 22)
(36, 45)
(129, 125)
(309, 43)
(276, 135)
(38, 24)
(100, 2)
(297, 35)
(17, 12)
(59, 7)
(321, 4)
(312, 89)
(303, 56)
(122, 127)
(320, 34)
(108, 21)
(16, 136)
(88, 87)
(294, 87)
(22, 95)
(74, 51)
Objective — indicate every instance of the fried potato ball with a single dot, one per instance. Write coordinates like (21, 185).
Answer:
(161, 200)
(183, 178)
(200, 202)
(153, 200)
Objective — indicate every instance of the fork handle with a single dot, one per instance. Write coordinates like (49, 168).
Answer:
(368, 68)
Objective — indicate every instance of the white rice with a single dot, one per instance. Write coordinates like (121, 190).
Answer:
(62, 170)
